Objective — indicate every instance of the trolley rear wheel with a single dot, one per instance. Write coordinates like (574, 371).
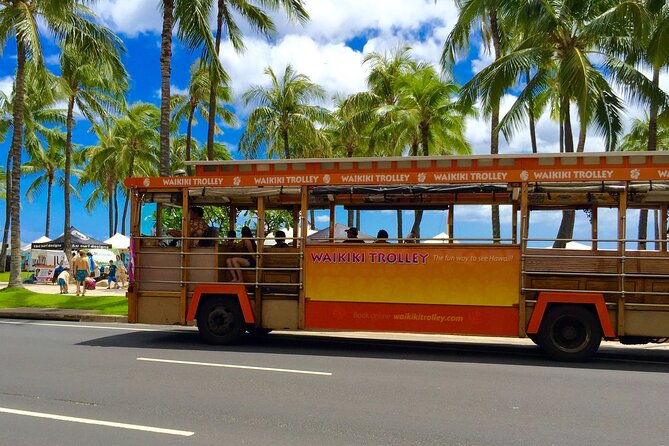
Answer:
(570, 333)
(220, 321)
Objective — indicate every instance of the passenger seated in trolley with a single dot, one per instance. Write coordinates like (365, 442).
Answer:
(280, 238)
(230, 243)
(247, 261)
(382, 236)
(196, 224)
(352, 234)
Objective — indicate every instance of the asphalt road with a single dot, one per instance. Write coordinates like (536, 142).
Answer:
(76, 384)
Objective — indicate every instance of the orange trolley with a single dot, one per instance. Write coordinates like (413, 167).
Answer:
(565, 300)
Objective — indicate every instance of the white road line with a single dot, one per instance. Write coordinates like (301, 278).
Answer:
(97, 327)
(233, 366)
(136, 427)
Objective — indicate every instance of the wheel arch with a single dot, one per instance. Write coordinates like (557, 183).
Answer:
(593, 301)
(221, 291)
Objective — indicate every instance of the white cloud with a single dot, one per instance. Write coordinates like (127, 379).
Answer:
(322, 219)
(52, 59)
(130, 17)
(485, 58)
(174, 90)
(317, 48)
(7, 85)
(334, 66)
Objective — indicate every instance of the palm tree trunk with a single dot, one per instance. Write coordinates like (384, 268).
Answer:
(642, 234)
(14, 201)
(214, 84)
(49, 186)
(125, 211)
(400, 230)
(657, 229)
(566, 231)
(561, 132)
(568, 134)
(165, 74)
(581, 137)
(67, 239)
(189, 137)
(654, 109)
(357, 219)
(417, 219)
(115, 210)
(8, 214)
(131, 172)
(110, 207)
(652, 146)
(530, 112)
(494, 120)
(312, 216)
(286, 146)
(351, 217)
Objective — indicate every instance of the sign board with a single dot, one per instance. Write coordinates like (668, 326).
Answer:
(44, 274)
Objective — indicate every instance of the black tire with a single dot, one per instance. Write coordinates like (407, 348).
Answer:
(220, 321)
(570, 333)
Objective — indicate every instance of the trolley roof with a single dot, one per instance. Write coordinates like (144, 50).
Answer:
(482, 169)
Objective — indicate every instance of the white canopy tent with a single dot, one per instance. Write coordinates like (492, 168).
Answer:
(440, 238)
(43, 256)
(574, 245)
(119, 241)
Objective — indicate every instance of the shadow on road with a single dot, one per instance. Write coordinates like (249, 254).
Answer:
(608, 358)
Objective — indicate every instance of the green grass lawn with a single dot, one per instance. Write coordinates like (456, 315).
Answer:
(4, 277)
(13, 298)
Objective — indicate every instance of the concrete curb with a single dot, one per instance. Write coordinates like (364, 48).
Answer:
(57, 314)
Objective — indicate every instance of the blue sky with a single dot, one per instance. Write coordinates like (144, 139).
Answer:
(329, 49)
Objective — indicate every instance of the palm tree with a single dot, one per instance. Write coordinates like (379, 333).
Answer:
(362, 109)
(560, 39)
(192, 20)
(426, 115)
(637, 140)
(97, 87)
(199, 88)
(47, 163)
(426, 118)
(227, 14)
(63, 19)
(3, 187)
(40, 113)
(198, 151)
(490, 14)
(285, 121)
(135, 146)
(102, 174)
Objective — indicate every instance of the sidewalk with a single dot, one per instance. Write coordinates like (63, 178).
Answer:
(57, 314)
(49, 288)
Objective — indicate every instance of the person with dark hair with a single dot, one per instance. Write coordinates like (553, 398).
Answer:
(230, 242)
(280, 238)
(197, 225)
(352, 234)
(247, 261)
(382, 236)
